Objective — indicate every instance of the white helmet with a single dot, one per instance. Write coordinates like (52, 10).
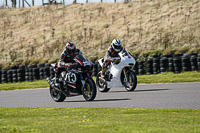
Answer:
(116, 45)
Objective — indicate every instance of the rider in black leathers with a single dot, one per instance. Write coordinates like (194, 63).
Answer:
(67, 56)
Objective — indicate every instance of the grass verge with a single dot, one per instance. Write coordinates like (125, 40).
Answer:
(158, 78)
(170, 77)
(24, 85)
(99, 120)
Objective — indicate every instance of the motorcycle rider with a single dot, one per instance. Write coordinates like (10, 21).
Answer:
(67, 56)
(113, 50)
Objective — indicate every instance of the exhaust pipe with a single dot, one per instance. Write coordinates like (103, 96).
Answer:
(51, 83)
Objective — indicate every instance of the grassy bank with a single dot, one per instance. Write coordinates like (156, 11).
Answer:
(99, 120)
(158, 78)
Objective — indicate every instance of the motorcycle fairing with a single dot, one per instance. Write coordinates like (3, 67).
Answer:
(117, 69)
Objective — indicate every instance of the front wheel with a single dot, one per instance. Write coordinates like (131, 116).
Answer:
(130, 82)
(56, 95)
(89, 91)
(101, 84)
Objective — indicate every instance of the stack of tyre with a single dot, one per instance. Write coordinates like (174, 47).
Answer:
(156, 64)
(32, 74)
(166, 63)
(14, 75)
(41, 70)
(0, 75)
(21, 74)
(185, 60)
(44, 70)
(26, 74)
(141, 70)
(9, 76)
(149, 66)
(193, 62)
(198, 62)
(4, 76)
(163, 64)
(170, 64)
(177, 63)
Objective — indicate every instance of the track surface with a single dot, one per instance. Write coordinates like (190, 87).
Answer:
(178, 95)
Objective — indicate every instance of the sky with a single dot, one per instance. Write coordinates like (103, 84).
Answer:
(67, 2)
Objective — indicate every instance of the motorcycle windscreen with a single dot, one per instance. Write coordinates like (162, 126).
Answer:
(83, 61)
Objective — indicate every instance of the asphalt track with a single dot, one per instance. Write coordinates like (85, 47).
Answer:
(176, 95)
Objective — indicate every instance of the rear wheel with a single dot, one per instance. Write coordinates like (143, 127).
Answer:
(101, 85)
(89, 91)
(56, 95)
(131, 82)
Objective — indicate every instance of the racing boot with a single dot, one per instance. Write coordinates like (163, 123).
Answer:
(103, 72)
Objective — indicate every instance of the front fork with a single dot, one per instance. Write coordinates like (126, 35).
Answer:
(125, 71)
(84, 80)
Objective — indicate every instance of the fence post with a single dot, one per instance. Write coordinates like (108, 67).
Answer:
(19, 3)
(6, 3)
(32, 2)
(43, 2)
(63, 1)
(23, 3)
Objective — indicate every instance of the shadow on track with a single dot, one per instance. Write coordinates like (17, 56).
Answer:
(137, 90)
(152, 90)
(100, 100)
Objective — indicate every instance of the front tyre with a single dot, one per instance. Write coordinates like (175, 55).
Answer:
(56, 95)
(101, 85)
(130, 82)
(89, 91)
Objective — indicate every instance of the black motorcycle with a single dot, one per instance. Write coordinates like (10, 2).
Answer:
(74, 81)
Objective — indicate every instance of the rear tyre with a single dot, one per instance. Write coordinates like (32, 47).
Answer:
(89, 91)
(56, 95)
(131, 84)
(102, 86)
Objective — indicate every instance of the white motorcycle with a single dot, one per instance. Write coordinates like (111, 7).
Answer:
(119, 74)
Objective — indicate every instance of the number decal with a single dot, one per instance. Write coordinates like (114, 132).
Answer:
(71, 77)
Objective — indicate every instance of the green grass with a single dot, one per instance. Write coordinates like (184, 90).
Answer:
(170, 77)
(157, 78)
(24, 85)
(99, 120)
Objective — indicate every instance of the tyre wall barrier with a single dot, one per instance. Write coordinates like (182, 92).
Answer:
(153, 65)
(25, 73)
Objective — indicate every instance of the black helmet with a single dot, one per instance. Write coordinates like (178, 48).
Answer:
(71, 48)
